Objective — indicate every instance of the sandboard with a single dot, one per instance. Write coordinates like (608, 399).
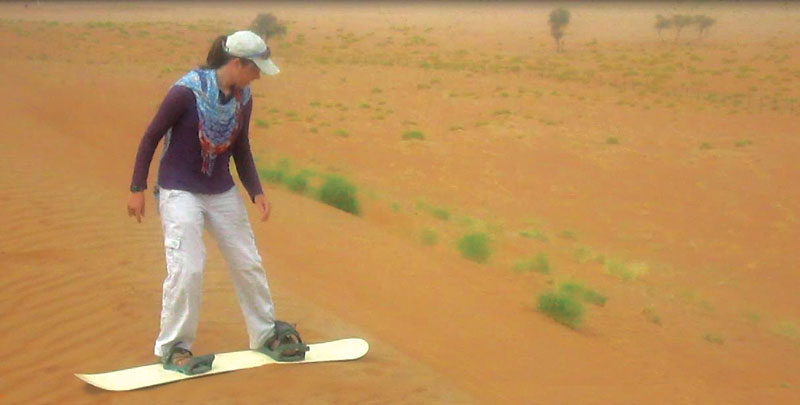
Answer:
(155, 374)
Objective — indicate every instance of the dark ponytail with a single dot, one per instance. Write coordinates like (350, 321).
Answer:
(217, 57)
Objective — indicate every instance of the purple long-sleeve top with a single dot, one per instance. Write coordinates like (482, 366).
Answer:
(182, 163)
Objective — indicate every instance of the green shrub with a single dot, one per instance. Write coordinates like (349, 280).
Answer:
(339, 193)
(582, 254)
(562, 307)
(538, 263)
(567, 234)
(440, 213)
(413, 135)
(475, 247)
(436, 212)
(297, 183)
(578, 290)
(619, 269)
(273, 175)
(788, 329)
(625, 271)
(534, 234)
(276, 174)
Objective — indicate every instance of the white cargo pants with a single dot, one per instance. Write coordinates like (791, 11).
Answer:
(184, 215)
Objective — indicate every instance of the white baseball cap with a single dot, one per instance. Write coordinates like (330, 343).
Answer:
(247, 44)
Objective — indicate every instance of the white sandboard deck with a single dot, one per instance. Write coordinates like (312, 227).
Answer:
(154, 374)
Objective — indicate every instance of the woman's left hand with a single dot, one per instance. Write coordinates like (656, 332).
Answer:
(263, 206)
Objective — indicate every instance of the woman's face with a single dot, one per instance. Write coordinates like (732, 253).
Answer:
(246, 71)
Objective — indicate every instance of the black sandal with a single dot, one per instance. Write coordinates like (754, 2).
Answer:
(192, 366)
(285, 344)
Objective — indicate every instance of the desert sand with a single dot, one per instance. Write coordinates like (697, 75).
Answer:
(662, 173)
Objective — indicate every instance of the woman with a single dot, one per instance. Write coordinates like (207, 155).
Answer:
(204, 119)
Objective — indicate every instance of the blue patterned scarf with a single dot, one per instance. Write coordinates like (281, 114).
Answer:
(218, 123)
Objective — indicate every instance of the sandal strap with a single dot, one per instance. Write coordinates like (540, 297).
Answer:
(284, 331)
(193, 365)
(175, 350)
(197, 365)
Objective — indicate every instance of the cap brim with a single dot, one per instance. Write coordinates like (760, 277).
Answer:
(267, 66)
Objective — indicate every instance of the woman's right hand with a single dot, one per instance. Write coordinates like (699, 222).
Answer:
(136, 205)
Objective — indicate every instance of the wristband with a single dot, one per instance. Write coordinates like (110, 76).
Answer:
(136, 189)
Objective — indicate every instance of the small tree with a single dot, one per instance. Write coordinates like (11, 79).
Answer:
(680, 21)
(662, 23)
(559, 19)
(267, 26)
(703, 23)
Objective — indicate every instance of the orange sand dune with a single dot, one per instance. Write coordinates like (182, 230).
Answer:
(715, 229)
